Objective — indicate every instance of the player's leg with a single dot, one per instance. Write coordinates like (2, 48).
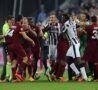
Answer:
(22, 61)
(10, 58)
(3, 74)
(44, 55)
(60, 70)
(80, 62)
(8, 69)
(72, 65)
(70, 60)
(14, 69)
(29, 67)
(35, 61)
(53, 56)
(96, 72)
(91, 68)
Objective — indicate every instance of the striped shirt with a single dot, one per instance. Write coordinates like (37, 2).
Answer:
(53, 33)
(71, 32)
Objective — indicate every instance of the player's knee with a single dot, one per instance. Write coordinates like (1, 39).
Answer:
(81, 65)
(14, 63)
(25, 59)
(8, 58)
(70, 60)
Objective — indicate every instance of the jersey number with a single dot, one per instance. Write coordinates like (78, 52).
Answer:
(10, 33)
(95, 34)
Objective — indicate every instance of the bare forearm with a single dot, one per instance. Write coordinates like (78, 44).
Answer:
(33, 32)
(26, 37)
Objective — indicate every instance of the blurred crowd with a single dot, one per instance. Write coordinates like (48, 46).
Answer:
(77, 7)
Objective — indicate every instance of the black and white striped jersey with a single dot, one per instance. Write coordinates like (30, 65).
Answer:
(71, 32)
(53, 32)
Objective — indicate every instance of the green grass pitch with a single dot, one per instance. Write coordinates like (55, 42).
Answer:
(43, 84)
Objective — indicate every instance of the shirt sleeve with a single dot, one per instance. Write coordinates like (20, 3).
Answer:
(5, 29)
(65, 28)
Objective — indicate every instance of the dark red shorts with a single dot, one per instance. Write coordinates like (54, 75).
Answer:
(16, 51)
(91, 53)
(62, 49)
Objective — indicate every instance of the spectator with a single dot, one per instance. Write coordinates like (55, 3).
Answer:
(42, 15)
(86, 4)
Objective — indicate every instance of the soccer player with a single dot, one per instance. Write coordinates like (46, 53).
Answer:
(28, 47)
(73, 53)
(84, 21)
(53, 30)
(91, 53)
(36, 49)
(62, 47)
(15, 48)
(5, 30)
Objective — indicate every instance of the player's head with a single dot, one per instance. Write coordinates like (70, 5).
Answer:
(9, 20)
(30, 20)
(94, 19)
(73, 16)
(65, 17)
(19, 18)
(53, 18)
(25, 21)
(84, 17)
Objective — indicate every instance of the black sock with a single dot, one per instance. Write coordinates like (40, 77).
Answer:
(35, 67)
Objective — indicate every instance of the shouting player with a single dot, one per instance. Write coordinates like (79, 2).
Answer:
(73, 53)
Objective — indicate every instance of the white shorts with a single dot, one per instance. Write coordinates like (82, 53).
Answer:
(52, 52)
(73, 51)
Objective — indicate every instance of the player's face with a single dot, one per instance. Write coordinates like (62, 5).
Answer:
(73, 17)
(10, 22)
(25, 23)
(83, 17)
(53, 19)
(13, 21)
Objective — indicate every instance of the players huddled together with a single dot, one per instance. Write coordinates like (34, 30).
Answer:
(67, 45)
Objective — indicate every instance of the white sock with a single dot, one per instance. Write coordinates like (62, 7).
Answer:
(83, 72)
(74, 68)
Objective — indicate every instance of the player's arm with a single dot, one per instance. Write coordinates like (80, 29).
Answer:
(44, 32)
(32, 31)
(46, 27)
(79, 31)
(25, 36)
(65, 28)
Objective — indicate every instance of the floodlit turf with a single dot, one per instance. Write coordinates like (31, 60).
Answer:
(43, 84)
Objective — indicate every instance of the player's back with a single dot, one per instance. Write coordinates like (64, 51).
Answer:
(71, 32)
(92, 35)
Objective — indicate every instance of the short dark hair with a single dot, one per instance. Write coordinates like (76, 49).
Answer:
(94, 19)
(65, 16)
(19, 17)
(9, 17)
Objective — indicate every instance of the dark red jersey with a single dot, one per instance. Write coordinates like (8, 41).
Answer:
(62, 47)
(13, 35)
(91, 52)
(92, 37)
